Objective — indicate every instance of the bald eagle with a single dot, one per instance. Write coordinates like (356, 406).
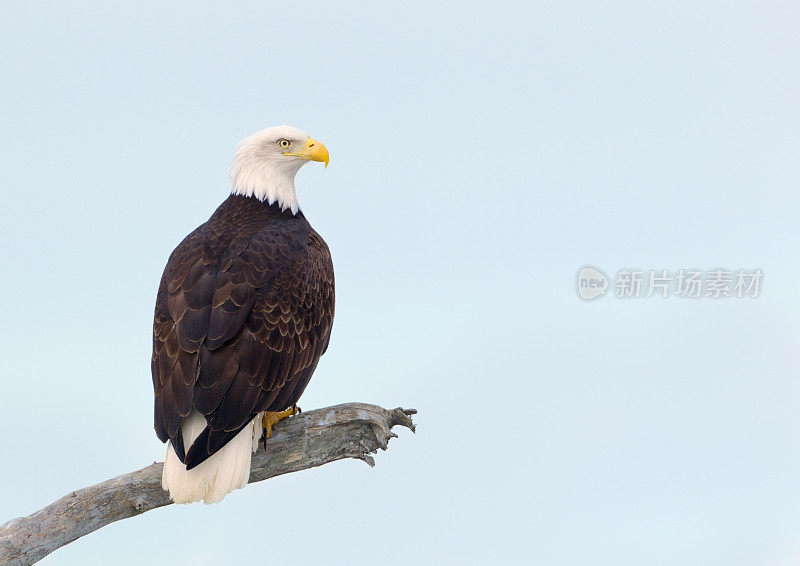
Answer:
(243, 313)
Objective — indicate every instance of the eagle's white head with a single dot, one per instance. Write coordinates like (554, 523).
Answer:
(266, 163)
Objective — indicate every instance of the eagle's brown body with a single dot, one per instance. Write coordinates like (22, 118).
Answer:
(243, 314)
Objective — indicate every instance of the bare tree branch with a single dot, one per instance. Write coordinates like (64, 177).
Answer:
(307, 440)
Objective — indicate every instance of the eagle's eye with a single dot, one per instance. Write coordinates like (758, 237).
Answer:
(284, 143)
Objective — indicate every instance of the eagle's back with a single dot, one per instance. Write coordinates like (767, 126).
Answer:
(243, 313)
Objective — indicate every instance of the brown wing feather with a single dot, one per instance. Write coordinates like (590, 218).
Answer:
(240, 324)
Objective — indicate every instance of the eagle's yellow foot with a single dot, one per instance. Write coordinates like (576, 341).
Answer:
(271, 418)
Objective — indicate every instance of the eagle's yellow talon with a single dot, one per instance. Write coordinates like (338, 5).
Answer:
(271, 418)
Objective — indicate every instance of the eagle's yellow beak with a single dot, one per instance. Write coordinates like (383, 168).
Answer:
(315, 151)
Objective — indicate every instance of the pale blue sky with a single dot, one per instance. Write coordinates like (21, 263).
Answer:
(480, 154)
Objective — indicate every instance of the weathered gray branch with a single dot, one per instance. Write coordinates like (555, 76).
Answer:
(307, 440)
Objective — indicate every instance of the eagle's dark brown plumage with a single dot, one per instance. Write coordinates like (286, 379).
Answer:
(243, 314)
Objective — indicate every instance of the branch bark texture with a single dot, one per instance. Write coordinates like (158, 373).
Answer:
(307, 440)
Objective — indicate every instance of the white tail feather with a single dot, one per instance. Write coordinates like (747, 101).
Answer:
(227, 470)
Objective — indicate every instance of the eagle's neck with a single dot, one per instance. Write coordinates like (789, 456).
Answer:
(270, 181)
